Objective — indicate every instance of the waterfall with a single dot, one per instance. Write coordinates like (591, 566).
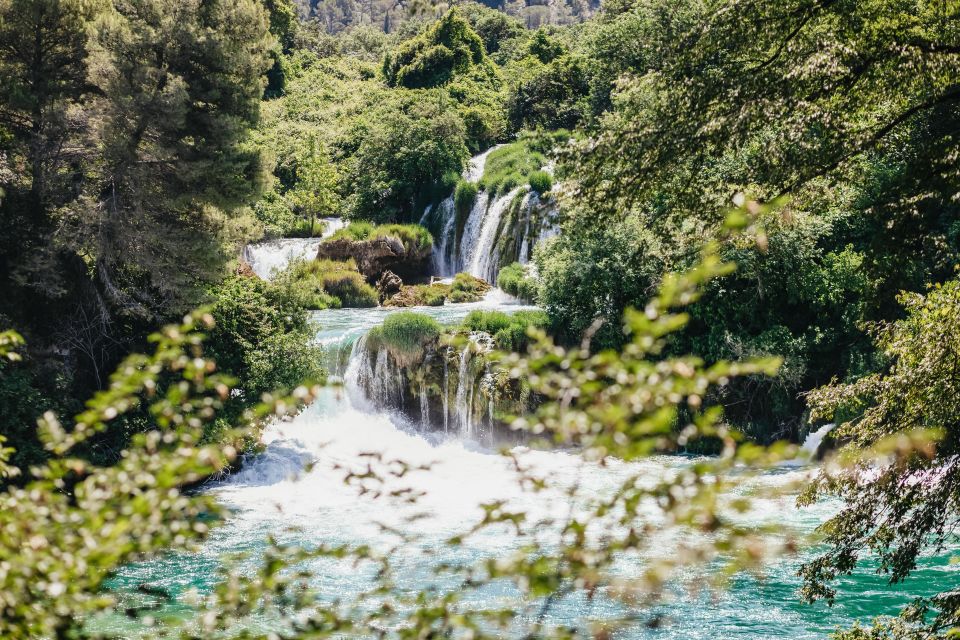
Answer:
(424, 405)
(270, 257)
(483, 260)
(444, 256)
(373, 378)
(489, 238)
(811, 445)
(463, 406)
(446, 395)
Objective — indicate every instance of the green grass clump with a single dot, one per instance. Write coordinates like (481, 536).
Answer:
(509, 166)
(404, 335)
(301, 229)
(413, 236)
(540, 181)
(326, 284)
(509, 331)
(514, 280)
(464, 195)
(355, 231)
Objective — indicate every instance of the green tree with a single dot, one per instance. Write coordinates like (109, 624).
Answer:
(408, 144)
(901, 429)
(315, 193)
(447, 48)
(181, 84)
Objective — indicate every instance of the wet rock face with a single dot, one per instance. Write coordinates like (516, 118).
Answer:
(453, 387)
(388, 285)
(376, 256)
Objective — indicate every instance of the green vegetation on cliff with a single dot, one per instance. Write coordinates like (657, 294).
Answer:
(514, 279)
(413, 236)
(405, 334)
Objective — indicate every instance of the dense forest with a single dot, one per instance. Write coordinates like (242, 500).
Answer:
(737, 221)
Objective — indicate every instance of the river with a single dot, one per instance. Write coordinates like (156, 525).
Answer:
(272, 495)
(294, 490)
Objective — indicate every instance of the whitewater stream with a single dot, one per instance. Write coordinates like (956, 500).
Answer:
(295, 491)
(273, 495)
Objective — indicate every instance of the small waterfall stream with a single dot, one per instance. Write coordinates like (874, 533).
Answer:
(270, 257)
(475, 247)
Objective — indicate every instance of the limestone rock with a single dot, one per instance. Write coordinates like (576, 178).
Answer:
(388, 285)
(377, 255)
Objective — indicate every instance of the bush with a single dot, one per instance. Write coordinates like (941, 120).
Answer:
(540, 181)
(465, 195)
(514, 280)
(414, 237)
(449, 47)
(468, 284)
(261, 337)
(355, 231)
(274, 212)
(302, 229)
(509, 332)
(509, 166)
(323, 284)
(486, 321)
(404, 335)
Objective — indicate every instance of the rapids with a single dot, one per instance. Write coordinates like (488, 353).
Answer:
(278, 494)
(295, 491)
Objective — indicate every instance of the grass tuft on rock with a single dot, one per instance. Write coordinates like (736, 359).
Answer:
(405, 335)
(413, 236)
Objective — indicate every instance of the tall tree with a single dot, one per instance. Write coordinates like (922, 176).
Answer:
(181, 84)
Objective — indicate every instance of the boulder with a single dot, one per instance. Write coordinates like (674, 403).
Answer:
(377, 255)
(388, 285)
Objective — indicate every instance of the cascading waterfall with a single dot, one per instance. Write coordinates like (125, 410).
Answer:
(482, 255)
(463, 406)
(375, 380)
(476, 249)
(270, 257)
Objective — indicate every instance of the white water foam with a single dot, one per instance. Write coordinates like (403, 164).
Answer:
(269, 258)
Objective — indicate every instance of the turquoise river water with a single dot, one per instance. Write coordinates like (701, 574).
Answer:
(273, 493)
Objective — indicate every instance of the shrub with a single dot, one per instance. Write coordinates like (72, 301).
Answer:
(508, 166)
(509, 332)
(413, 236)
(404, 335)
(322, 284)
(514, 280)
(355, 231)
(274, 212)
(431, 59)
(465, 195)
(468, 284)
(261, 337)
(486, 321)
(302, 229)
(540, 181)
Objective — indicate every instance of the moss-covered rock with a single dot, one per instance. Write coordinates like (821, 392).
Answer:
(463, 288)
(402, 249)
